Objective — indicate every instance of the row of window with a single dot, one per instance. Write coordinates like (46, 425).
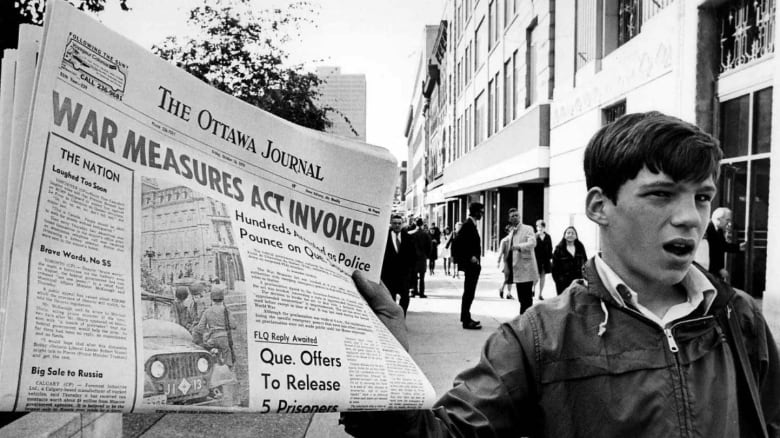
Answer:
(464, 9)
(486, 37)
(497, 107)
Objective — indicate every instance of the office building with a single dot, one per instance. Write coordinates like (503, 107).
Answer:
(346, 94)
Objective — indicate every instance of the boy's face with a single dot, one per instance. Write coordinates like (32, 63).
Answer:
(653, 231)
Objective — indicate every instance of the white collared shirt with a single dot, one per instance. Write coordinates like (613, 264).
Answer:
(695, 283)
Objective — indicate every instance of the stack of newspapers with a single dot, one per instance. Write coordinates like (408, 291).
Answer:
(166, 246)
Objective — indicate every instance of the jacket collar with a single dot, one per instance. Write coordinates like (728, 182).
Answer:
(695, 279)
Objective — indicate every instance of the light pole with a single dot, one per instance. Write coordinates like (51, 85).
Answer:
(151, 254)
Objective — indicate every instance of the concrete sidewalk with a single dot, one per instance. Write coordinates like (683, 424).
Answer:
(437, 342)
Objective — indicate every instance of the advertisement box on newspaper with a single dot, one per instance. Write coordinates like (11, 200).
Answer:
(182, 250)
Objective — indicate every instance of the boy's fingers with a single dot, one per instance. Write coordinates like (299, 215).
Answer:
(376, 295)
(378, 298)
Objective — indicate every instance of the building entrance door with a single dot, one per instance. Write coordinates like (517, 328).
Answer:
(744, 188)
(744, 184)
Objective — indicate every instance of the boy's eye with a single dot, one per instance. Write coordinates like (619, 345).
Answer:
(703, 198)
(660, 194)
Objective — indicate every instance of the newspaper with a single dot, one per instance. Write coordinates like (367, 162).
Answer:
(6, 115)
(177, 249)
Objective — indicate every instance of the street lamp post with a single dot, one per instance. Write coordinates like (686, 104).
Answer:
(151, 254)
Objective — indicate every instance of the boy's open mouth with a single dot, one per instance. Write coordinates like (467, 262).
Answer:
(680, 247)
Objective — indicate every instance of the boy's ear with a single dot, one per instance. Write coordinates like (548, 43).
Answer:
(595, 205)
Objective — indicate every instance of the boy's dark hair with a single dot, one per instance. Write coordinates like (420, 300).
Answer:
(419, 222)
(475, 207)
(619, 150)
(396, 216)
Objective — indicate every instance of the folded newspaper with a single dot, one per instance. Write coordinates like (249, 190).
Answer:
(174, 248)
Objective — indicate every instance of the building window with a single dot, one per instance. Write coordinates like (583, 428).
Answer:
(480, 45)
(585, 33)
(508, 90)
(491, 113)
(492, 24)
(736, 116)
(449, 89)
(613, 112)
(531, 36)
(466, 63)
(479, 118)
(510, 6)
(467, 130)
(747, 32)
(458, 136)
(629, 20)
(496, 107)
(515, 86)
(461, 21)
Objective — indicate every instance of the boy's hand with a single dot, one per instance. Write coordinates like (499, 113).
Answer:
(381, 302)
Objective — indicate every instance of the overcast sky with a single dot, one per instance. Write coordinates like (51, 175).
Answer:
(382, 39)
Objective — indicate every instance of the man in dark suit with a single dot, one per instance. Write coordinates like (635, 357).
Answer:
(467, 252)
(719, 246)
(422, 249)
(398, 261)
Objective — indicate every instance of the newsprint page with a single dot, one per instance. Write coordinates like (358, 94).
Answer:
(177, 249)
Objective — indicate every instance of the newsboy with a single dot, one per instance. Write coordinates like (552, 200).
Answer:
(648, 345)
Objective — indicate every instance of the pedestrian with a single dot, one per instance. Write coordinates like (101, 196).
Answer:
(467, 253)
(503, 253)
(648, 346)
(568, 259)
(435, 234)
(718, 244)
(451, 246)
(398, 261)
(520, 262)
(421, 241)
(444, 249)
(216, 326)
(543, 253)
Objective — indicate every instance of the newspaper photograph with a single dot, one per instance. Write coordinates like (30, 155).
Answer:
(178, 249)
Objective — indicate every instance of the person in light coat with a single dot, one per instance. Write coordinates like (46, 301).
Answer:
(522, 260)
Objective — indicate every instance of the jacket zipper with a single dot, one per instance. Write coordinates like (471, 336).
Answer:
(670, 337)
(674, 349)
(672, 343)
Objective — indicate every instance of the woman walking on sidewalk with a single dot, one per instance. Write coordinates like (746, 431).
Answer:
(449, 247)
(444, 249)
(567, 261)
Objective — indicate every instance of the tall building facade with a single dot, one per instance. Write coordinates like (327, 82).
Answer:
(346, 93)
(486, 95)
(522, 86)
(416, 133)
